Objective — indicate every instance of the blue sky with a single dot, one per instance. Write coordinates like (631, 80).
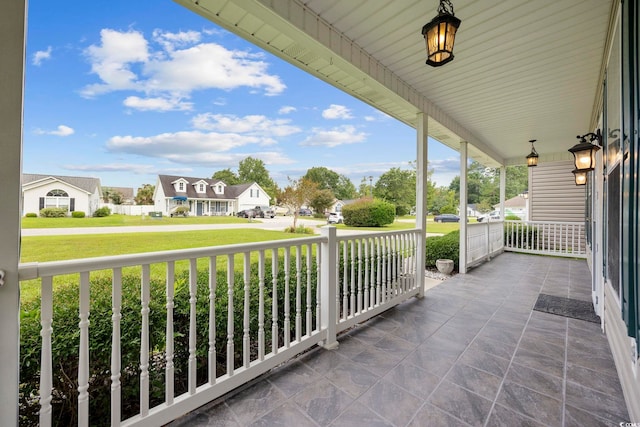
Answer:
(127, 90)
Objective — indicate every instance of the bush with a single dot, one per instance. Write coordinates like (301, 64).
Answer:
(31, 215)
(102, 212)
(53, 213)
(369, 213)
(301, 229)
(77, 214)
(402, 210)
(512, 217)
(443, 247)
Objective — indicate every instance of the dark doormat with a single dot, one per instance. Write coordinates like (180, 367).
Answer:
(567, 307)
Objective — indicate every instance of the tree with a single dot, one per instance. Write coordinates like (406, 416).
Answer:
(397, 186)
(340, 185)
(227, 176)
(254, 170)
(298, 193)
(116, 197)
(322, 200)
(145, 194)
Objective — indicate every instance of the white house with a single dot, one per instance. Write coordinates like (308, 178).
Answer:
(206, 196)
(73, 193)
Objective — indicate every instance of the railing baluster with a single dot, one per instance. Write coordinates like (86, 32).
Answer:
(193, 288)
(213, 283)
(169, 368)
(274, 301)
(261, 269)
(46, 372)
(298, 292)
(345, 280)
(366, 297)
(83, 365)
(352, 280)
(230, 318)
(287, 298)
(379, 294)
(309, 317)
(246, 342)
(359, 296)
(318, 289)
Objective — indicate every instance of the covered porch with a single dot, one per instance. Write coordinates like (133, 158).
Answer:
(471, 352)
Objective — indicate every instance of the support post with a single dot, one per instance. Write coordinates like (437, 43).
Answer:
(503, 189)
(422, 178)
(462, 266)
(12, 51)
(328, 286)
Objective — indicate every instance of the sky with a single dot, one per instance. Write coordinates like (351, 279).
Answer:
(127, 90)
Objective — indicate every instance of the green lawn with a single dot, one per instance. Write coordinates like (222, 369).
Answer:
(125, 220)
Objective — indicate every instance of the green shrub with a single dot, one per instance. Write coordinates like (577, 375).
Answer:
(301, 229)
(402, 210)
(65, 340)
(77, 214)
(369, 213)
(443, 247)
(53, 212)
(102, 212)
(31, 215)
(512, 217)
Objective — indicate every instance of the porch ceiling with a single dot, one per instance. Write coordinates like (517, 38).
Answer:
(523, 70)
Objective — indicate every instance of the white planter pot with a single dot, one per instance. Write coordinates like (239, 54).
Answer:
(444, 266)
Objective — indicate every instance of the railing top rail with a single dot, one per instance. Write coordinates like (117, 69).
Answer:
(547, 222)
(363, 236)
(34, 270)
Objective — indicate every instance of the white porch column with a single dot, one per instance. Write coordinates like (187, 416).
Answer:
(503, 189)
(422, 149)
(462, 267)
(328, 286)
(12, 51)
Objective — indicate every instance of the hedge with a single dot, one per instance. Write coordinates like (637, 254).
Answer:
(368, 213)
(102, 212)
(77, 214)
(443, 247)
(53, 212)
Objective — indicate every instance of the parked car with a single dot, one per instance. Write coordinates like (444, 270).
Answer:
(335, 218)
(492, 216)
(249, 213)
(264, 211)
(305, 212)
(180, 210)
(281, 210)
(446, 218)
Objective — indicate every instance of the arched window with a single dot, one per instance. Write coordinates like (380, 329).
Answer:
(57, 199)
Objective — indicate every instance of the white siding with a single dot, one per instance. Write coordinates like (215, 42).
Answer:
(553, 194)
(83, 201)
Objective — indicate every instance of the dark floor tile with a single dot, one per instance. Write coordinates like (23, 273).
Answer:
(285, 415)
(475, 380)
(536, 380)
(504, 417)
(430, 416)
(542, 347)
(352, 377)
(358, 415)
(530, 403)
(323, 401)
(322, 361)
(391, 402)
(461, 403)
(211, 415)
(415, 380)
(610, 407)
(395, 345)
(574, 417)
(548, 364)
(598, 381)
(551, 337)
(496, 333)
(497, 348)
(486, 362)
(592, 361)
(368, 334)
(255, 401)
(350, 346)
(582, 325)
(433, 359)
(293, 377)
(377, 361)
(590, 344)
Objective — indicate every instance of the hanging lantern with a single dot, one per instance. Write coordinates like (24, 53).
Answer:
(439, 35)
(532, 158)
(580, 176)
(584, 153)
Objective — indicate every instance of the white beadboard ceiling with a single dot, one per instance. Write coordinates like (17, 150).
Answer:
(523, 69)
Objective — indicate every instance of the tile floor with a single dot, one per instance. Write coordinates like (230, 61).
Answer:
(472, 352)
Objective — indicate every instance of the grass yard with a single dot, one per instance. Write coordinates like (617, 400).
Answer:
(125, 220)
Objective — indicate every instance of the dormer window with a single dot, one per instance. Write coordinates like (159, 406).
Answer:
(201, 188)
(219, 190)
(181, 186)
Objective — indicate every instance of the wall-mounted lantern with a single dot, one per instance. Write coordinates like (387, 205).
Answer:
(440, 34)
(580, 176)
(584, 152)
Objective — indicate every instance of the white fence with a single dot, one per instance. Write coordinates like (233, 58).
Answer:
(484, 240)
(221, 326)
(136, 210)
(546, 238)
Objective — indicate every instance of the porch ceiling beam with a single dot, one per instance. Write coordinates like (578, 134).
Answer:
(296, 34)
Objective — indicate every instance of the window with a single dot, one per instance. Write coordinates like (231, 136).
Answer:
(57, 199)
(201, 188)
(181, 186)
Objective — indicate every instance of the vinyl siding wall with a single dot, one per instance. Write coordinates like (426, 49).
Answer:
(553, 194)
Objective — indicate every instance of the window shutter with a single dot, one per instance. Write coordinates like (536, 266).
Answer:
(41, 203)
(72, 204)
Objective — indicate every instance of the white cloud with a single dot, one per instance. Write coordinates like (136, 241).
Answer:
(40, 56)
(157, 104)
(336, 111)
(62, 130)
(253, 124)
(287, 109)
(333, 137)
(134, 168)
(179, 65)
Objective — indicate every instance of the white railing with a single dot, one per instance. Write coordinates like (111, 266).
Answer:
(484, 240)
(221, 326)
(546, 238)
